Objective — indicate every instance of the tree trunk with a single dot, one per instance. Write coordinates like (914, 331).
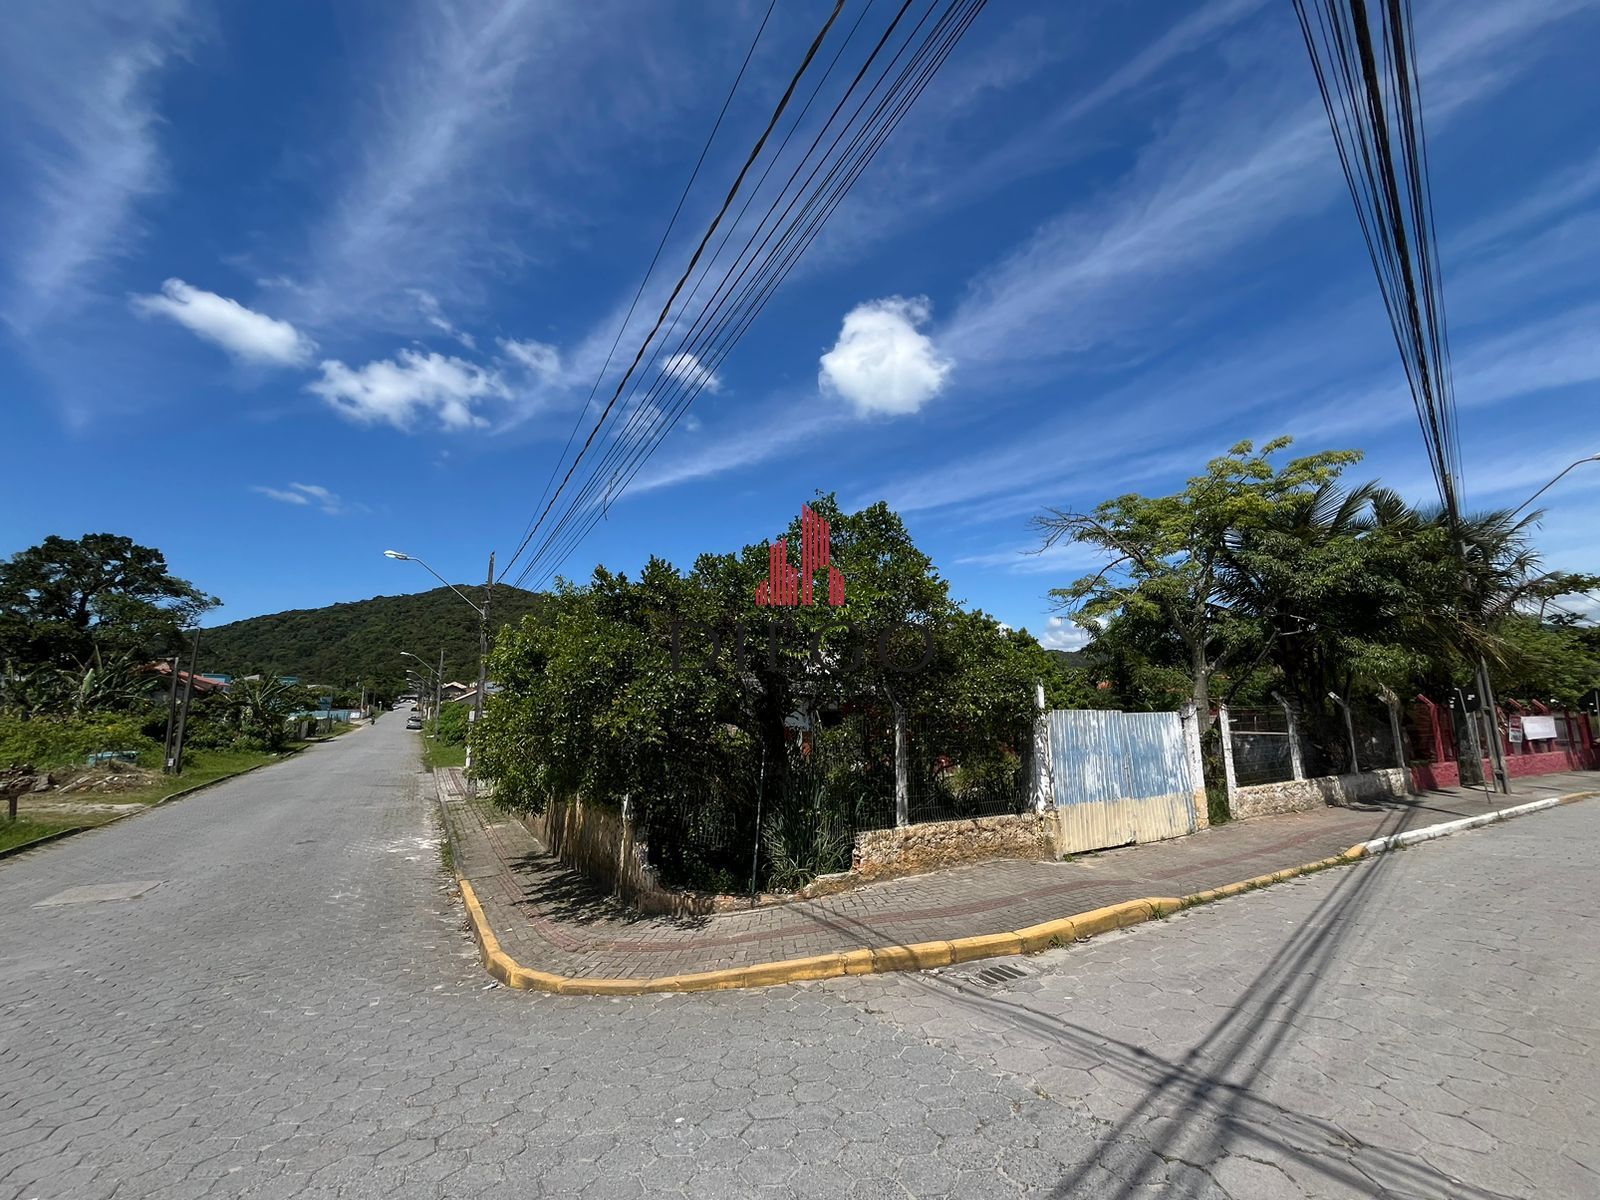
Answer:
(1200, 672)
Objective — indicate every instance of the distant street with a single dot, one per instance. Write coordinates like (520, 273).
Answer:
(288, 1006)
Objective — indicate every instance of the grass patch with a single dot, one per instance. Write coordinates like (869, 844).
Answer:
(22, 831)
(446, 745)
(436, 754)
(203, 766)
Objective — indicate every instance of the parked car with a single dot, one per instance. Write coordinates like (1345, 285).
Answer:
(413, 722)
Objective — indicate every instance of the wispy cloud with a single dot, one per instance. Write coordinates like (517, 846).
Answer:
(433, 313)
(686, 368)
(244, 333)
(471, 123)
(80, 143)
(1227, 173)
(787, 422)
(305, 495)
(1567, 190)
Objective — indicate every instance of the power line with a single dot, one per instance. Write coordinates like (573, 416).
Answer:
(741, 296)
(666, 233)
(1367, 75)
(755, 151)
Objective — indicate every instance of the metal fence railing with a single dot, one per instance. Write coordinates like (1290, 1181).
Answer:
(773, 818)
(1262, 750)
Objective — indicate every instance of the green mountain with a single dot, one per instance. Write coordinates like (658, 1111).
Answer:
(359, 643)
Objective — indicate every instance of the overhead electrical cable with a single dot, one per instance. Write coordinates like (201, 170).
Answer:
(644, 280)
(755, 152)
(771, 276)
(1364, 59)
(745, 288)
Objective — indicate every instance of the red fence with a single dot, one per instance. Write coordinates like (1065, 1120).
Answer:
(1434, 747)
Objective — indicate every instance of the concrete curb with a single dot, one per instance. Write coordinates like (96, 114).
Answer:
(1412, 837)
(922, 956)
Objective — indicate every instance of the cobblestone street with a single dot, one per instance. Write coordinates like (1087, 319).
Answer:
(279, 999)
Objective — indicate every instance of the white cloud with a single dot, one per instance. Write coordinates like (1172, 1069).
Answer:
(686, 368)
(80, 146)
(882, 363)
(398, 391)
(303, 495)
(433, 314)
(1062, 634)
(540, 359)
(242, 332)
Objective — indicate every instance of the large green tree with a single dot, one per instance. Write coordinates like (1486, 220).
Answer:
(92, 600)
(675, 689)
(1291, 582)
(1166, 558)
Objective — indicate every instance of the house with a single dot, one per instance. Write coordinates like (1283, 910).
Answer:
(203, 684)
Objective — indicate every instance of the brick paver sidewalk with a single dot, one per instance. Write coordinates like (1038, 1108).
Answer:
(549, 918)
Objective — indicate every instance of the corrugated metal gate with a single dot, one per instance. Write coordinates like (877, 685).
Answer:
(1120, 777)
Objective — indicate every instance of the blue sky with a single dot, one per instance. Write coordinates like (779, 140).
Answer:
(284, 285)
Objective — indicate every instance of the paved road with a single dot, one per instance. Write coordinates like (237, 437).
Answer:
(293, 1010)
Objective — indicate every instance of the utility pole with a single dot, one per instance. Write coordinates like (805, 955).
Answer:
(483, 672)
(183, 713)
(1497, 752)
(172, 717)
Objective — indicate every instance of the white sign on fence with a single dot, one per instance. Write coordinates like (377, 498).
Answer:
(1537, 728)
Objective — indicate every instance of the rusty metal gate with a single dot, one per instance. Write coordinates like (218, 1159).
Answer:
(1121, 777)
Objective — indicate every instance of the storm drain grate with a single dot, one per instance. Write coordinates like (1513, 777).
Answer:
(998, 975)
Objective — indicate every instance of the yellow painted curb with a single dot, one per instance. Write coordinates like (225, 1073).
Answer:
(920, 956)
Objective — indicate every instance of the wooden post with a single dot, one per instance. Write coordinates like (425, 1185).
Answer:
(172, 719)
(183, 710)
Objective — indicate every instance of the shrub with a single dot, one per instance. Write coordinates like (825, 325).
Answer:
(451, 726)
(59, 741)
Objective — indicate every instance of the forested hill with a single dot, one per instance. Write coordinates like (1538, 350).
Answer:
(358, 643)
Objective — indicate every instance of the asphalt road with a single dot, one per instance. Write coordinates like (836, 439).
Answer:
(290, 1007)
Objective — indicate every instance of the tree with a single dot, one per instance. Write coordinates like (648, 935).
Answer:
(92, 601)
(675, 690)
(1167, 556)
(260, 708)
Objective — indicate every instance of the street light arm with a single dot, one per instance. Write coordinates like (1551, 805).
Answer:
(1553, 482)
(439, 577)
(425, 666)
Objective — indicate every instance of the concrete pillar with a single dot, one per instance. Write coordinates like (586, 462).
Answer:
(1297, 762)
(1043, 788)
(1393, 703)
(902, 786)
(1190, 718)
(1227, 753)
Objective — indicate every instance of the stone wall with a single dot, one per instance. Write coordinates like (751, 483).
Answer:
(1304, 795)
(883, 852)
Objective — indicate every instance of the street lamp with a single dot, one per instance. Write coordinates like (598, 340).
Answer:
(1553, 482)
(483, 614)
(483, 646)
(436, 676)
